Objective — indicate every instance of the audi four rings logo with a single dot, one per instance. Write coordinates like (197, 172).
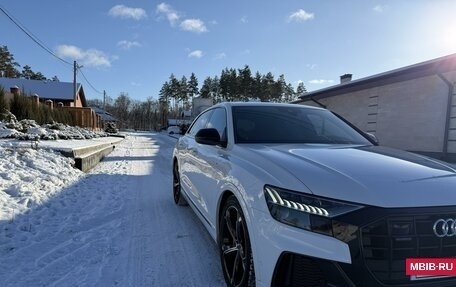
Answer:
(445, 227)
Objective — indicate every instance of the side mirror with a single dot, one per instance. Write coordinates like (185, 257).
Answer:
(372, 137)
(208, 137)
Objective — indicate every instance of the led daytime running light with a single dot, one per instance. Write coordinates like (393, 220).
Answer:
(277, 199)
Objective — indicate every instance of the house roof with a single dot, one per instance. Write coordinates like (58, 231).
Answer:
(46, 89)
(105, 116)
(423, 69)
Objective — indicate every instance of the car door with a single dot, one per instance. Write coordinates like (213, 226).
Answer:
(208, 168)
(190, 164)
(214, 165)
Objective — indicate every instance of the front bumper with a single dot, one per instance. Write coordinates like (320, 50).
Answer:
(374, 255)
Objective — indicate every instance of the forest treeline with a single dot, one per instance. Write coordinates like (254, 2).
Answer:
(176, 93)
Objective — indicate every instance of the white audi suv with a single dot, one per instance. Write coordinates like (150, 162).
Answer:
(296, 196)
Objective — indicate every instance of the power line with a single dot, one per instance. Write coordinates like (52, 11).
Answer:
(90, 84)
(42, 45)
(31, 36)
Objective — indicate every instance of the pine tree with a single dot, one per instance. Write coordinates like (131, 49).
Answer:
(39, 76)
(27, 72)
(245, 84)
(300, 90)
(267, 85)
(7, 64)
(192, 86)
(183, 91)
(205, 91)
(257, 87)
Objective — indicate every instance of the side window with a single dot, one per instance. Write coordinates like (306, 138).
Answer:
(200, 123)
(218, 122)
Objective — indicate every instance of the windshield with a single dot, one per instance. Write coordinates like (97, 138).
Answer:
(294, 124)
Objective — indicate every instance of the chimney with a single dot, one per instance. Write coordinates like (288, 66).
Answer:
(345, 78)
(15, 90)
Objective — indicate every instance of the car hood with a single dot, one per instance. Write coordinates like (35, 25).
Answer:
(370, 175)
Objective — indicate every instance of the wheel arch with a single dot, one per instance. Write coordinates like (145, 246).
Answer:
(226, 194)
(221, 203)
(175, 161)
(223, 198)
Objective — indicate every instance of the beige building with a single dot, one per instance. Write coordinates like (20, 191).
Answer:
(411, 108)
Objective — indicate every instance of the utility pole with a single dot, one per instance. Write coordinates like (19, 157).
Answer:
(75, 95)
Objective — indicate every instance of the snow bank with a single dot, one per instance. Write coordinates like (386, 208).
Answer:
(29, 177)
(30, 130)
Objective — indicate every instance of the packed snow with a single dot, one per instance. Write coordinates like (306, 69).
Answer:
(116, 225)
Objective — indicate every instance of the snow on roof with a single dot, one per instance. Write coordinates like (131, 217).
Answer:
(105, 116)
(46, 89)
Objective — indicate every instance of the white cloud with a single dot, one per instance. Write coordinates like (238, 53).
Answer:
(220, 56)
(89, 58)
(300, 16)
(190, 25)
(196, 54)
(213, 22)
(244, 20)
(193, 25)
(245, 52)
(321, 82)
(379, 8)
(311, 66)
(127, 45)
(166, 10)
(134, 84)
(125, 12)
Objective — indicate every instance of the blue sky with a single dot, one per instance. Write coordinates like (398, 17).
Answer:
(133, 46)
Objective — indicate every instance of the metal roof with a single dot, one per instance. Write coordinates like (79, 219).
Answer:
(46, 89)
(427, 68)
(105, 116)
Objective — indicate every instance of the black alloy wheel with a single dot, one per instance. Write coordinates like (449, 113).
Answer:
(178, 199)
(235, 249)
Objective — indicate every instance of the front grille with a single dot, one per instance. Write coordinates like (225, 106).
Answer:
(388, 242)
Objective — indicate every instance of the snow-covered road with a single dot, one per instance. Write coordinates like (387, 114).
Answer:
(114, 226)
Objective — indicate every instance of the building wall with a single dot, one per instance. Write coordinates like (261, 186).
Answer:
(409, 115)
(452, 131)
(78, 102)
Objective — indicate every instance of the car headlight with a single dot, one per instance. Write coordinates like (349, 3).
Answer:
(308, 211)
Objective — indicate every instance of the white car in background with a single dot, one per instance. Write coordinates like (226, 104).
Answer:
(173, 130)
(296, 196)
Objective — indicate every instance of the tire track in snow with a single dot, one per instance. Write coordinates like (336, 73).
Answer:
(169, 246)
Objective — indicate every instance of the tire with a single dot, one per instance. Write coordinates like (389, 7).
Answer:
(234, 245)
(177, 192)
